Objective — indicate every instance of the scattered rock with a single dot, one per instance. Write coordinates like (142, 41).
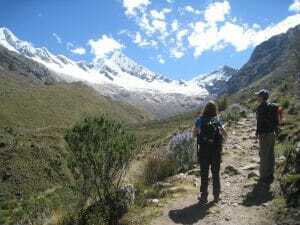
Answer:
(196, 182)
(162, 185)
(154, 202)
(248, 185)
(177, 178)
(174, 190)
(253, 174)
(235, 204)
(252, 166)
(231, 171)
(195, 172)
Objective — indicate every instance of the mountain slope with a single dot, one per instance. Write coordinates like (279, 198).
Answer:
(27, 102)
(278, 56)
(216, 81)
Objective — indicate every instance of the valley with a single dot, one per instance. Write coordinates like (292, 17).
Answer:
(43, 95)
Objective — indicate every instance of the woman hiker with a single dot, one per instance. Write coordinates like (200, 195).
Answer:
(209, 133)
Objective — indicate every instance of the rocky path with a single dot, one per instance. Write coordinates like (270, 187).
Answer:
(238, 174)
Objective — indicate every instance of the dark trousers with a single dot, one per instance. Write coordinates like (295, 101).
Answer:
(209, 156)
(267, 158)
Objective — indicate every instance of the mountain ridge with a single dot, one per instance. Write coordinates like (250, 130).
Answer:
(156, 82)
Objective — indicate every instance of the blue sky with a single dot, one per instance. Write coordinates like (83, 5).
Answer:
(177, 38)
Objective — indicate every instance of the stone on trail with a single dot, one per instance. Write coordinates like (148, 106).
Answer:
(176, 178)
(253, 174)
(154, 202)
(252, 166)
(231, 171)
(195, 172)
(162, 185)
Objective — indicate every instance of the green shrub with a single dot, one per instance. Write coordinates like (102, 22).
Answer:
(285, 103)
(230, 117)
(157, 168)
(102, 150)
(222, 104)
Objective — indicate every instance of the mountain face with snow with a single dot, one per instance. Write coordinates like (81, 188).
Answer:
(123, 79)
(216, 81)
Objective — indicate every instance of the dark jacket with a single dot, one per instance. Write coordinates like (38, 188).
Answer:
(264, 125)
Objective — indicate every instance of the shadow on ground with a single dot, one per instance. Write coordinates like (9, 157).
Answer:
(259, 195)
(191, 214)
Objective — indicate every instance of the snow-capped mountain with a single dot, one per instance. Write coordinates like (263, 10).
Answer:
(215, 81)
(122, 78)
(117, 70)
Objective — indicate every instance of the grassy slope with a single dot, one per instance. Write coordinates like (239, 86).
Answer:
(33, 153)
(31, 105)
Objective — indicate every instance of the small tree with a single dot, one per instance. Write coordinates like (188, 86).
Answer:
(102, 150)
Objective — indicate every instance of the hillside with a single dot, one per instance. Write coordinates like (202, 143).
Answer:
(274, 65)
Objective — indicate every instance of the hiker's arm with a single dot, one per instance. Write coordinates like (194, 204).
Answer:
(223, 132)
(196, 132)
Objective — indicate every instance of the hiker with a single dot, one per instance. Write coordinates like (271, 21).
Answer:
(209, 131)
(268, 117)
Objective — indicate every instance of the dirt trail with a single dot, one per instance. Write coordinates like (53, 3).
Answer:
(238, 172)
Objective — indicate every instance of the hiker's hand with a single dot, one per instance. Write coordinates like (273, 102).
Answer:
(196, 131)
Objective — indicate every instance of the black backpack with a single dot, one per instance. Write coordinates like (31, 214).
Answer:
(210, 132)
(272, 115)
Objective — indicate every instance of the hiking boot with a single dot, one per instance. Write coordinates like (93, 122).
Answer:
(216, 198)
(203, 199)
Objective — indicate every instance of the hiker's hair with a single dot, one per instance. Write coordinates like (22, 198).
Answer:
(210, 109)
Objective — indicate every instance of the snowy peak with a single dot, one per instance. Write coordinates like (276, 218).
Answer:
(222, 74)
(118, 70)
(131, 67)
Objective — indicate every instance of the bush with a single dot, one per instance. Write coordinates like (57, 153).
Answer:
(157, 168)
(230, 117)
(222, 104)
(102, 150)
(183, 150)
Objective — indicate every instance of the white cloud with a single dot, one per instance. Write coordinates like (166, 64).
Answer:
(160, 59)
(189, 8)
(177, 53)
(140, 41)
(211, 37)
(160, 15)
(295, 6)
(78, 51)
(105, 45)
(181, 34)
(70, 45)
(214, 32)
(175, 25)
(217, 11)
(58, 39)
(132, 5)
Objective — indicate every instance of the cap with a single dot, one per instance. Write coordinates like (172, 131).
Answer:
(263, 93)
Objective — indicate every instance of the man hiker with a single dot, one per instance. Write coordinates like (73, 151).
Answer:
(268, 116)
(208, 131)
